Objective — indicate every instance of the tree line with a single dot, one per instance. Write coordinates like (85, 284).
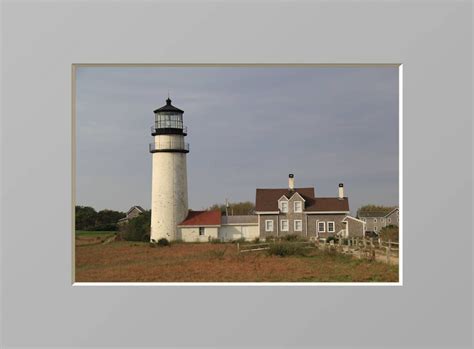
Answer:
(375, 208)
(87, 218)
(234, 209)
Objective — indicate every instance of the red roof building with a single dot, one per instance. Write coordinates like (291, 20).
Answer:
(202, 219)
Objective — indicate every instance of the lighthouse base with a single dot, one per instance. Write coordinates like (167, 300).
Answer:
(169, 205)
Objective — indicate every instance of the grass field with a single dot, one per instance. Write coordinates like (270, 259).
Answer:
(84, 237)
(93, 233)
(122, 261)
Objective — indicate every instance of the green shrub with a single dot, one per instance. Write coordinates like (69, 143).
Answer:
(137, 228)
(291, 237)
(215, 241)
(389, 232)
(163, 242)
(256, 240)
(283, 249)
(239, 240)
(269, 238)
(331, 238)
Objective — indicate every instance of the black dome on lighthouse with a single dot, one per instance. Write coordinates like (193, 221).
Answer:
(168, 108)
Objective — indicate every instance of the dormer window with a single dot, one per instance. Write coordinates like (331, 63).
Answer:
(284, 206)
(298, 206)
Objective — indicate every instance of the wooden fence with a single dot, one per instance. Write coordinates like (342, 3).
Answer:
(367, 248)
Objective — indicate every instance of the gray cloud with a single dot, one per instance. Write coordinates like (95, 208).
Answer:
(248, 128)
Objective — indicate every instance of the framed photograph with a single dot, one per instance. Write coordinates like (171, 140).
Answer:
(218, 215)
(208, 174)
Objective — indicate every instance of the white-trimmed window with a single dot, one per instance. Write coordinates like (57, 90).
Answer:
(389, 220)
(284, 225)
(382, 220)
(269, 225)
(375, 220)
(298, 225)
(298, 206)
(284, 206)
(201, 231)
(331, 227)
(321, 227)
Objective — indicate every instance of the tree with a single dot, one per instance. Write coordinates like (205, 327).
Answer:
(107, 219)
(138, 228)
(375, 208)
(238, 208)
(86, 217)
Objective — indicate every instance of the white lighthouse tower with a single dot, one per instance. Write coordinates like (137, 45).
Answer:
(169, 187)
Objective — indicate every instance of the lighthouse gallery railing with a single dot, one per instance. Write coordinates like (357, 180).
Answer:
(168, 146)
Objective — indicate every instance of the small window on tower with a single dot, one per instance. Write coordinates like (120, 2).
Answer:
(201, 231)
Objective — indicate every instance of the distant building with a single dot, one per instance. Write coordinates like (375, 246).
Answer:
(376, 220)
(133, 212)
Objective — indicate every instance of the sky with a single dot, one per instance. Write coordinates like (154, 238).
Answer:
(248, 128)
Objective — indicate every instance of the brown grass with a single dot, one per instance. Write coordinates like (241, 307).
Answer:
(138, 262)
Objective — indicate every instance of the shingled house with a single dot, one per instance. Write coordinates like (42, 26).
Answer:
(133, 212)
(376, 220)
(298, 211)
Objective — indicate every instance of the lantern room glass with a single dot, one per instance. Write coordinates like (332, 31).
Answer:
(169, 120)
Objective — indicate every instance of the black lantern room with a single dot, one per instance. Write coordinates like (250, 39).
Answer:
(168, 120)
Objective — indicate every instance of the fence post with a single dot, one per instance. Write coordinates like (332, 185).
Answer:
(238, 247)
(389, 251)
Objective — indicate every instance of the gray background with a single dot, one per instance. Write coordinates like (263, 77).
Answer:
(42, 39)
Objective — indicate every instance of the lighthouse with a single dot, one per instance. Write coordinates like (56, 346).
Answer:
(169, 187)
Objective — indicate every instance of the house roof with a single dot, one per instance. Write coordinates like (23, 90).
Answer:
(247, 219)
(379, 213)
(353, 218)
(139, 208)
(395, 209)
(168, 108)
(328, 204)
(202, 218)
(267, 200)
(372, 214)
